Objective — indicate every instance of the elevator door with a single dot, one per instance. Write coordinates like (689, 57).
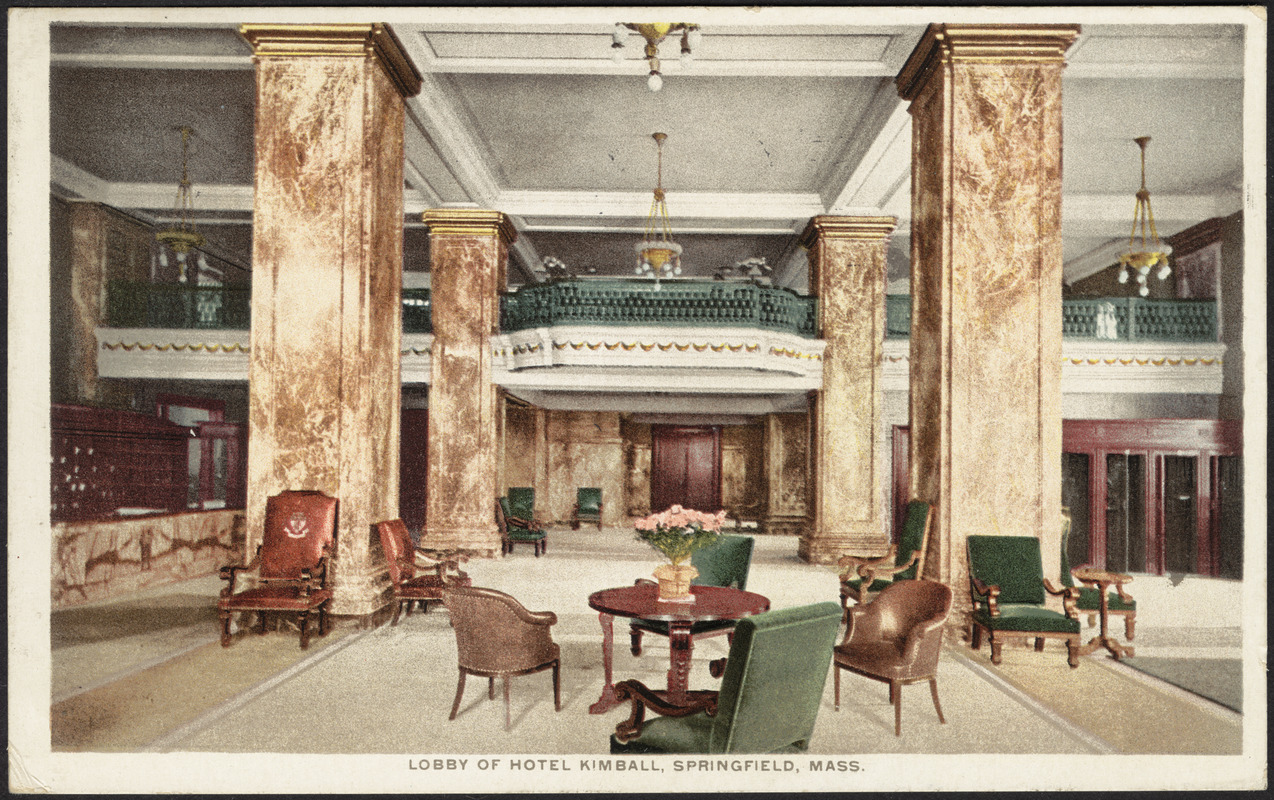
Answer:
(413, 467)
(685, 468)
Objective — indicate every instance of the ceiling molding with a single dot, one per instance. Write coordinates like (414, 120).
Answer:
(78, 181)
(454, 141)
(687, 207)
(162, 61)
(159, 196)
(885, 164)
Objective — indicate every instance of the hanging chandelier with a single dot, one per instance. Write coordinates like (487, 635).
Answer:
(1144, 253)
(181, 237)
(654, 33)
(658, 256)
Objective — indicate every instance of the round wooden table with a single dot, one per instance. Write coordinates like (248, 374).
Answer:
(642, 602)
(1103, 580)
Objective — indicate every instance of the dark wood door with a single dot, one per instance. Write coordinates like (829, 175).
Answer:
(685, 467)
(413, 467)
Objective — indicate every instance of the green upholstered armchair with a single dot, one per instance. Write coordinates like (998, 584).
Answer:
(517, 530)
(1118, 602)
(862, 579)
(588, 507)
(725, 563)
(1007, 585)
(770, 694)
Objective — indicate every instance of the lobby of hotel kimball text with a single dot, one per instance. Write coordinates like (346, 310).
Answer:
(765, 399)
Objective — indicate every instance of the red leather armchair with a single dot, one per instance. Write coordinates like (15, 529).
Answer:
(404, 558)
(496, 637)
(292, 563)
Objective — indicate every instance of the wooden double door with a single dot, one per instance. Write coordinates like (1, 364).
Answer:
(685, 467)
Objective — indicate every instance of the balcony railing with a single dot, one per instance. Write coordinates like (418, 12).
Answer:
(1104, 318)
(674, 303)
(132, 304)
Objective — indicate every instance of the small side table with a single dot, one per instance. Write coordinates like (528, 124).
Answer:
(1103, 580)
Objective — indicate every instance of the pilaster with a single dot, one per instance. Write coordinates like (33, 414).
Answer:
(847, 273)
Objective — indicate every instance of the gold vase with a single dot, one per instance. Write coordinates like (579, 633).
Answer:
(674, 582)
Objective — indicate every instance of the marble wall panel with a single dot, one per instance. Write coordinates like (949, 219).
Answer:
(326, 307)
(522, 444)
(101, 559)
(743, 475)
(584, 449)
(637, 456)
(787, 462)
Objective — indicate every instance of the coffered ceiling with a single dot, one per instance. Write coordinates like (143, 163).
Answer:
(525, 112)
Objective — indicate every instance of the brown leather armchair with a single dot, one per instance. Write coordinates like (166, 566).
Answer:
(404, 558)
(496, 637)
(896, 638)
(292, 559)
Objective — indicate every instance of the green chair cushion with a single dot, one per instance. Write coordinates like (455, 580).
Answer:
(1026, 618)
(911, 539)
(589, 502)
(1010, 562)
(524, 535)
(877, 586)
(521, 502)
(1090, 600)
(725, 563)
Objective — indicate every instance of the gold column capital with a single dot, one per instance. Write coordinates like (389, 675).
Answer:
(987, 44)
(827, 226)
(375, 40)
(469, 222)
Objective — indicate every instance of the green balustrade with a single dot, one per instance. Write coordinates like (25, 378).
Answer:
(674, 303)
(1104, 318)
(137, 304)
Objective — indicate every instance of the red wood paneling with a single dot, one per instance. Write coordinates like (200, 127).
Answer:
(685, 467)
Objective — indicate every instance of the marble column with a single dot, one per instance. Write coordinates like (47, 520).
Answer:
(468, 257)
(787, 473)
(986, 284)
(847, 274)
(324, 388)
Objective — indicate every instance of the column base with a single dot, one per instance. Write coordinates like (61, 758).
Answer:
(479, 542)
(360, 595)
(784, 526)
(826, 547)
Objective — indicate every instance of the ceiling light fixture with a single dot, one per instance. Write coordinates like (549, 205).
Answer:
(658, 256)
(654, 33)
(1139, 257)
(181, 237)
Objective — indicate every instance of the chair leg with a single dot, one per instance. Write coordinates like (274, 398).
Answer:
(996, 645)
(459, 693)
(224, 620)
(261, 620)
(1039, 644)
(508, 718)
(557, 685)
(635, 635)
(933, 690)
(490, 688)
(305, 629)
(325, 622)
(1072, 652)
(398, 610)
(895, 693)
(836, 684)
(975, 636)
(1129, 619)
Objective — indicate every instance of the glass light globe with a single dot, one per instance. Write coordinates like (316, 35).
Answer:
(1123, 276)
(655, 82)
(1144, 290)
(163, 258)
(617, 36)
(1164, 272)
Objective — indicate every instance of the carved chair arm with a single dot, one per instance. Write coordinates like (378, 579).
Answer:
(231, 572)
(643, 698)
(991, 593)
(1069, 594)
(871, 572)
(855, 565)
(1124, 596)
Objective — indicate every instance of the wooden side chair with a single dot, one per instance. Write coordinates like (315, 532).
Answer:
(405, 559)
(517, 530)
(588, 507)
(1007, 586)
(496, 637)
(862, 579)
(292, 564)
(897, 638)
(1119, 602)
(771, 691)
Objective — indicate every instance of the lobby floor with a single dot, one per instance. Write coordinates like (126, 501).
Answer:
(144, 674)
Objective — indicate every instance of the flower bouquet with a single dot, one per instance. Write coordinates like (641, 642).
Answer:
(677, 533)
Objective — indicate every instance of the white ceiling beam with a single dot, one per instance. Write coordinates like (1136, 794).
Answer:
(159, 196)
(150, 61)
(688, 206)
(884, 167)
(83, 183)
(454, 141)
(1110, 215)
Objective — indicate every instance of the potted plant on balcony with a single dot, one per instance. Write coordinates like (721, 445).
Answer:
(677, 533)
